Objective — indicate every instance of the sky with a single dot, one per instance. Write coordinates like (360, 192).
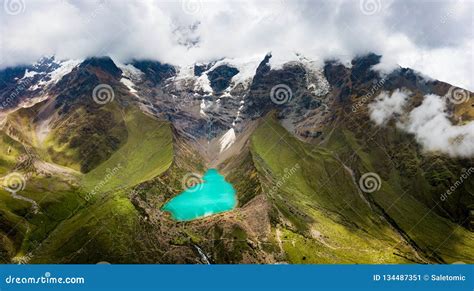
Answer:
(435, 38)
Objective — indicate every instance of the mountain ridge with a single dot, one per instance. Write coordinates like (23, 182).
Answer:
(133, 145)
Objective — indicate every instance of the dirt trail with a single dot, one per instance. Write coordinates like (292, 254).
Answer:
(34, 204)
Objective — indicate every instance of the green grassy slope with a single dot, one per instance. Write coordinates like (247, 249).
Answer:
(147, 153)
(409, 192)
(86, 138)
(317, 213)
(105, 228)
(12, 225)
(67, 224)
(10, 150)
(101, 231)
(322, 217)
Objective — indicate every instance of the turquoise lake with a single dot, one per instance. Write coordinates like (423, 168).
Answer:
(213, 195)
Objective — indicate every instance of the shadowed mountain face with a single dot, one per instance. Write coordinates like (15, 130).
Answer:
(221, 77)
(155, 71)
(328, 162)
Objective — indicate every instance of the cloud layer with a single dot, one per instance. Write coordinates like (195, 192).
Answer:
(429, 123)
(386, 105)
(434, 37)
(434, 131)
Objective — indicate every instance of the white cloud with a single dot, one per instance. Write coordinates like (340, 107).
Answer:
(430, 36)
(385, 106)
(432, 128)
(429, 122)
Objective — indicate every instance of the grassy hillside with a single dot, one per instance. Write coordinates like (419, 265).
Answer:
(147, 153)
(105, 228)
(86, 138)
(298, 203)
(69, 219)
(98, 232)
(10, 150)
(410, 190)
(321, 217)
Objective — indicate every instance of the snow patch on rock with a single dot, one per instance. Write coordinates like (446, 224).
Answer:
(130, 72)
(130, 75)
(227, 139)
(129, 84)
(203, 107)
(316, 82)
(29, 74)
(246, 67)
(65, 67)
(202, 83)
